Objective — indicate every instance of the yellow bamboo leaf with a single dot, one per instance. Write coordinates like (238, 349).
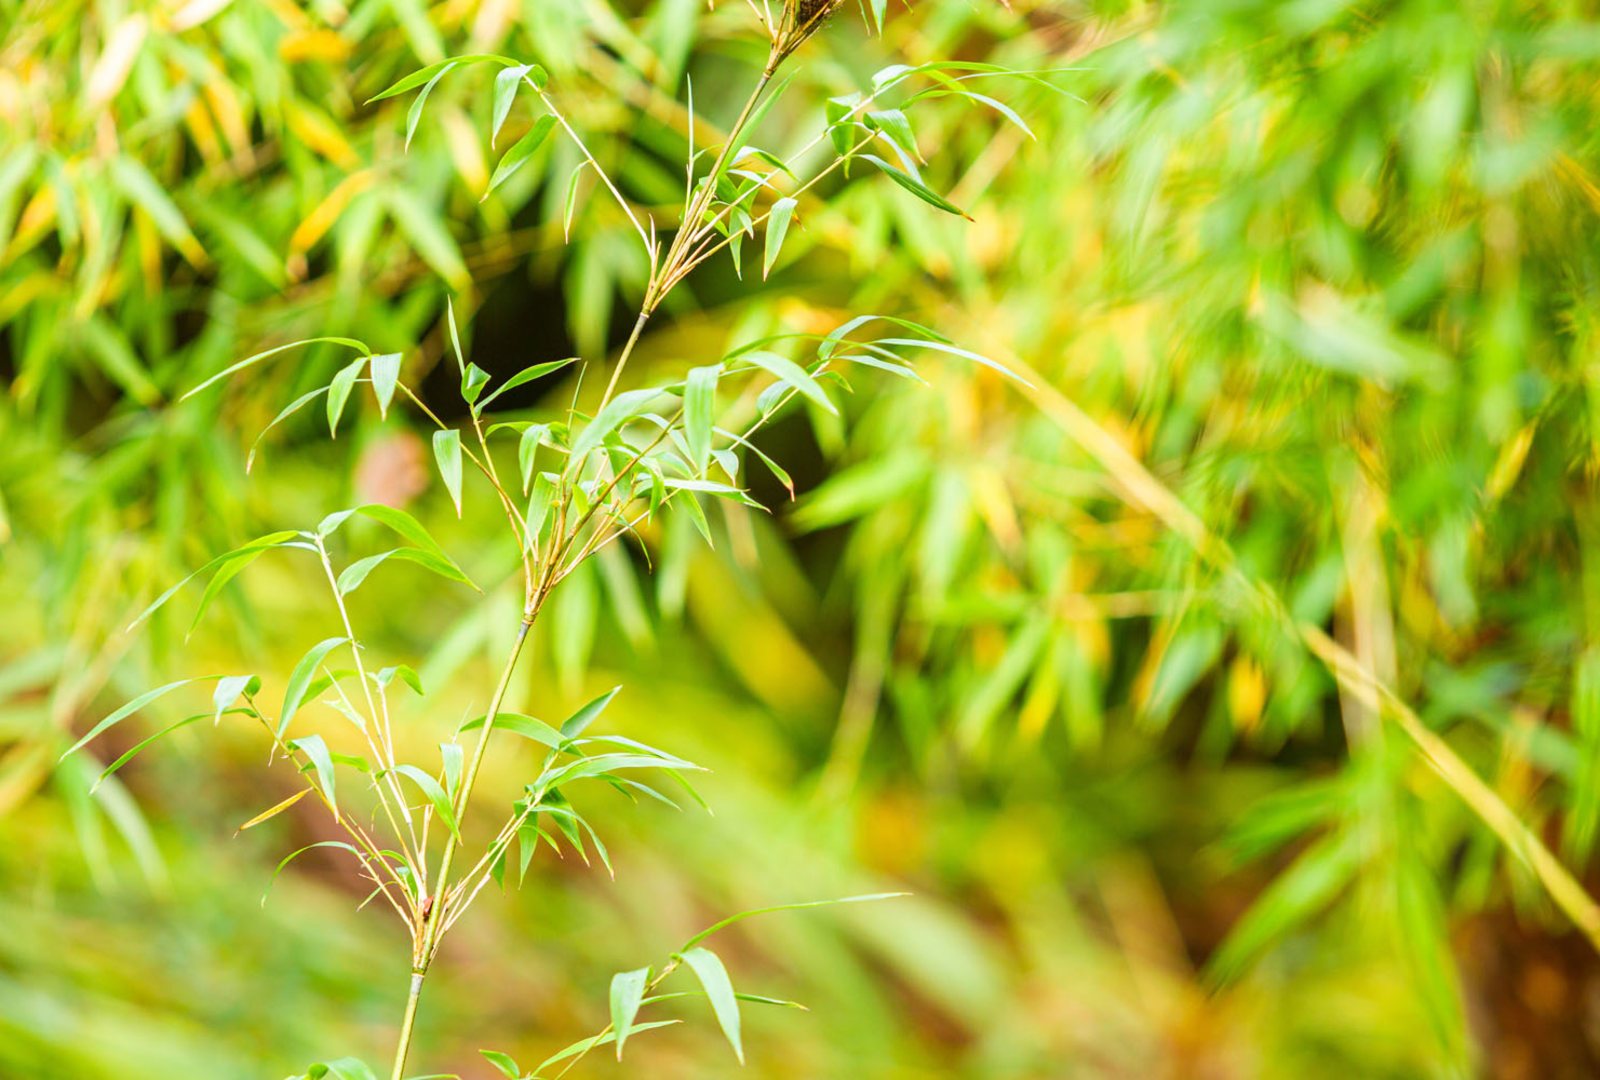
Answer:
(1247, 693)
(313, 45)
(313, 127)
(229, 113)
(274, 811)
(321, 219)
(37, 217)
(204, 132)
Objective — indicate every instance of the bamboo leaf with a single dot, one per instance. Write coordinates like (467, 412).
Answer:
(294, 694)
(339, 392)
(521, 150)
(423, 75)
(714, 977)
(575, 724)
(699, 405)
(279, 808)
(526, 375)
(435, 795)
(527, 726)
(791, 374)
(316, 749)
(777, 229)
(627, 991)
(916, 187)
(414, 113)
(385, 377)
(731, 919)
(249, 360)
(447, 452)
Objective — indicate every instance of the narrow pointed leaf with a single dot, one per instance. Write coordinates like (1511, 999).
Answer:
(339, 392)
(229, 689)
(447, 452)
(385, 377)
(132, 707)
(527, 726)
(521, 150)
(916, 187)
(699, 405)
(300, 679)
(580, 720)
(627, 991)
(791, 374)
(414, 114)
(435, 795)
(731, 919)
(714, 977)
(322, 761)
(526, 375)
(266, 815)
(777, 229)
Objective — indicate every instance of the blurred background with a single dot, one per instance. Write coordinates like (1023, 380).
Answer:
(1324, 270)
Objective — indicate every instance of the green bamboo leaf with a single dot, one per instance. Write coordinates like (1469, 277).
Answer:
(247, 361)
(138, 747)
(414, 113)
(711, 487)
(506, 84)
(289, 410)
(503, 1062)
(520, 152)
(422, 75)
(357, 572)
(407, 676)
(526, 375)
(339, 392)
(408, 528)
(385, 377)
(455, 336)
(575, 724)
(447, 452)
(946, 347)
(229, 690)
(472, 383)
(301, 851)
(603, 764)
(791, 374)
(583, 1046)
(896, 125)
(619, 409)
(699, 405)
(731, 919)
(527, 726)
(254, 547)
(916, 187)
(314, 748)
(627, 991)
(294, 694)
(435, 795)
(349, 1068)
(777, 229)
(714, 977)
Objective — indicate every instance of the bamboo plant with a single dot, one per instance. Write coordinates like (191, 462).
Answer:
(582, 481)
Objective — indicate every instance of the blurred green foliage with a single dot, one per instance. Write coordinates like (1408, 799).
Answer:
(1325, 270)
